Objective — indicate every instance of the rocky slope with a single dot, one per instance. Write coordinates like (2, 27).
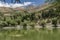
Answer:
(28, 9)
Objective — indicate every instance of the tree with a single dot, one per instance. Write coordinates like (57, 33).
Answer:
(32, 16)
(12, 23)
(32, 24)
(55, 2)
(54, 22)
(43, 23)
(24, 24)
(1, 24)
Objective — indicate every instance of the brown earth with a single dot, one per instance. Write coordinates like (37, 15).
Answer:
(28, 9)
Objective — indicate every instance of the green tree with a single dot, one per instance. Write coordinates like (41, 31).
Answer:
(32, 24)
(12, 23)
(54, 22)
(43, 24)
(24, 24)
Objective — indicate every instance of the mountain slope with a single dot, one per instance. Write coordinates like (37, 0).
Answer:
(28, 9)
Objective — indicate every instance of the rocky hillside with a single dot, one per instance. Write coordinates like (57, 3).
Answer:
(28, 9)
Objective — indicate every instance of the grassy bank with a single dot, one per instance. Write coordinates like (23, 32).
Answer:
(30, 34)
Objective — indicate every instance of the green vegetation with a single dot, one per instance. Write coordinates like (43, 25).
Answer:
(29, 19)
(25, 19)
(54, 22)
(30, 34)
(43, 23)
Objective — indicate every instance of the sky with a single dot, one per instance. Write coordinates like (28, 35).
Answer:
(23, 3)
(36, 1)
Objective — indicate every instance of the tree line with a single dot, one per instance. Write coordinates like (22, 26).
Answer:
(24, 19)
